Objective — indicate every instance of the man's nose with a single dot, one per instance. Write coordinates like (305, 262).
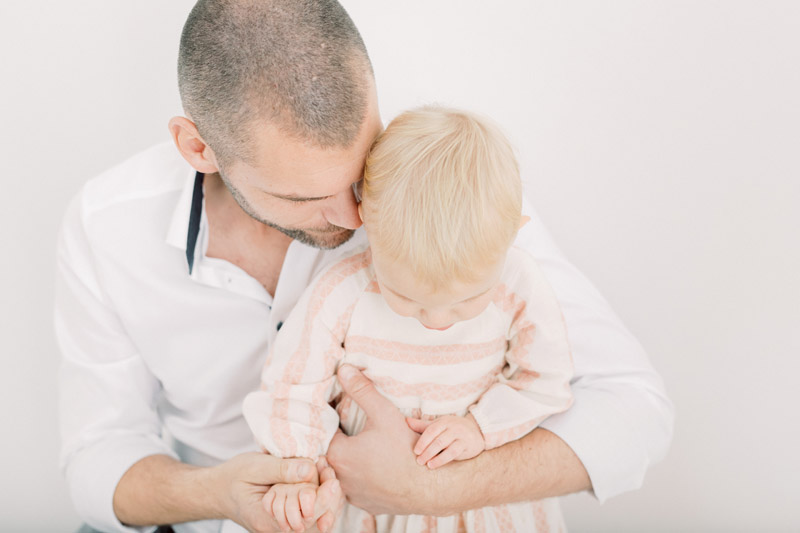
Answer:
(342, 210)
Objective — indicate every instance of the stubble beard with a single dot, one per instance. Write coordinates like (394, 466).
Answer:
(326, 238)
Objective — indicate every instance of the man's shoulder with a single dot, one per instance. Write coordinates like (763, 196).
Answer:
(157, 171)
(126, 211)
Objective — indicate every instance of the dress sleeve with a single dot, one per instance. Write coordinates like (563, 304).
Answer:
(107, 395)
(534, 382)
(291, 415)
(621, 421)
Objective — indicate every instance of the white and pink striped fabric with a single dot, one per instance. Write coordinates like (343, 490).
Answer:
(510, 367)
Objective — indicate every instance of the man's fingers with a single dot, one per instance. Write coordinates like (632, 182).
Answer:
(449, 454)
(417, 424)
(363, 392)
(431, 432)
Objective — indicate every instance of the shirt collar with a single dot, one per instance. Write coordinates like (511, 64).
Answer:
(184, 228)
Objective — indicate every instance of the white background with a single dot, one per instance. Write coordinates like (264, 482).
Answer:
(660, 143)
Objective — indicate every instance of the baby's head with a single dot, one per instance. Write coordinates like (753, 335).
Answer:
(441, 204)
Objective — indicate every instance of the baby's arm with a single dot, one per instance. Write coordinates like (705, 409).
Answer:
(291, 415)
(534, 383)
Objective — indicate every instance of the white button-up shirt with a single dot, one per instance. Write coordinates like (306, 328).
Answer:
(160, 343)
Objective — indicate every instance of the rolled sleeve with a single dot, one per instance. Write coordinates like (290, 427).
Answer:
(107, 395)
(617, 434)
(93, 473)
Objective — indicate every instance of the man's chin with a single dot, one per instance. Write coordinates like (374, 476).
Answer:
(325, 240)
(329, 241)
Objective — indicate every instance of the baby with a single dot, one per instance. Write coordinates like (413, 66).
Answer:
(458, 328)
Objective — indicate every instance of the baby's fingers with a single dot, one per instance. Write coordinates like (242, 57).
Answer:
(293, 515)
(451, 453)
(267, 500)
(417, 424)
(428, 436)
(442, 441)
(279, 510)
(308, 497)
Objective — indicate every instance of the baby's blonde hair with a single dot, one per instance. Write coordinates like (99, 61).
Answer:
(442, 194)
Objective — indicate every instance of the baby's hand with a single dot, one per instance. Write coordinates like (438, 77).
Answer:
(291, 505)
(446, 439)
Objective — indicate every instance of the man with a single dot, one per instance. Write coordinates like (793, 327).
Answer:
(177, 268)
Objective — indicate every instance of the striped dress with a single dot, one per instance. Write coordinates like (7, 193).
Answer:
(510, 367)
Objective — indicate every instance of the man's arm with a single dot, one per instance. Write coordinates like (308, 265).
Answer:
(160, 490)
(536, 466)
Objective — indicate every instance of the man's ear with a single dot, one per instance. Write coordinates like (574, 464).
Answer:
(192, 147)
(523, 220)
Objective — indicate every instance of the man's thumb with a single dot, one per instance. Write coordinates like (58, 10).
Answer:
(290, 471)
(363, 392)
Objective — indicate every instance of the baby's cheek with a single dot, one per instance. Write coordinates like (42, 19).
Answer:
(476, 308)
(400, 307)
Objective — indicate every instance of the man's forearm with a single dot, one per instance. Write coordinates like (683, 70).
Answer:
(160, 490)
(539, 465)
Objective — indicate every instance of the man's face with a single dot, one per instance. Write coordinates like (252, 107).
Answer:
(302, 190)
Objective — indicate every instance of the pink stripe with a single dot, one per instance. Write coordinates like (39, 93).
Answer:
(280, 427)
(498, 438)
(504, 520)
(373, 287)
(332, 356)
(480, 521)
(512, 304)
(435, 391)
(540, 517)
(368, 524)
(429, 523)
(324, 287)
(447, 354)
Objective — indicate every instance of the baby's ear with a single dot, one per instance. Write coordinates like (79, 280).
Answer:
(522, 221)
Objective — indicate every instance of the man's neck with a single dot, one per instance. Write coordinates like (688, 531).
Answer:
(238, 238)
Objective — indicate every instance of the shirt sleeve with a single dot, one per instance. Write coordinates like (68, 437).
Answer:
(534, 383)
(621, 420)
(291, 415)
(106, 393)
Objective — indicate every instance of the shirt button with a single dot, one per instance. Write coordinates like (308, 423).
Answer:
(279, 325)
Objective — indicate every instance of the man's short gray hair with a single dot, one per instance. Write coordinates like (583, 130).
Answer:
(298, 64)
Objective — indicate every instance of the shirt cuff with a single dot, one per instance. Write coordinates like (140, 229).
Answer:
(93, 473)
(607, 432)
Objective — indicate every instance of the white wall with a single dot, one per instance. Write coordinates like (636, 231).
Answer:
(661, 145)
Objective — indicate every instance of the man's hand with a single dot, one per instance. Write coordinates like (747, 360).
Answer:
(448, 438)
(377, 468)
(243, 481)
